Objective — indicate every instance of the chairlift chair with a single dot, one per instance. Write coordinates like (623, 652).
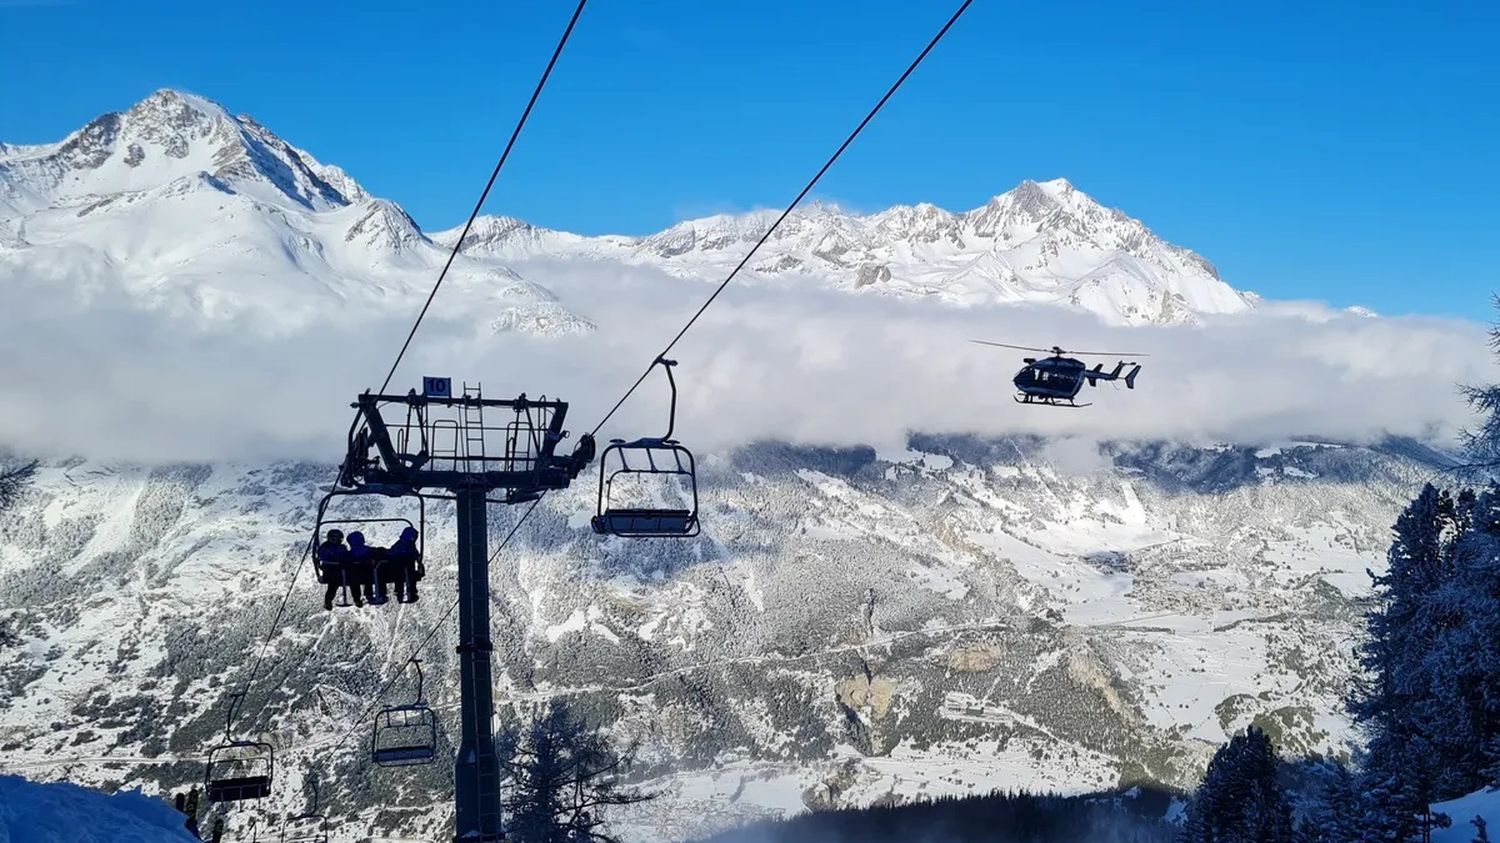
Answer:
(405, 735)
(311, 827)
(653, 462)
(305, 828)
(238, 770)
(320, 529)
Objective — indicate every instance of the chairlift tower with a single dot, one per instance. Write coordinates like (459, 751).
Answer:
(445, 447)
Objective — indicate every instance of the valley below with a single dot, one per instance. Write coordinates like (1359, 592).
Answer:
(852, 628)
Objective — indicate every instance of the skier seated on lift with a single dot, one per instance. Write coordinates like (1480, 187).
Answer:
(404, 564)
(334, 559)
(363, 560)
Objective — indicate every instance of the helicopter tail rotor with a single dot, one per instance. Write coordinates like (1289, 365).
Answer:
(1130, 378)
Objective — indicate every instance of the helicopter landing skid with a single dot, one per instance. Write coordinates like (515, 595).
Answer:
(1050, 402)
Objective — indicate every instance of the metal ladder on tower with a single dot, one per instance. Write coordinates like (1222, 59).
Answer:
(473, 422)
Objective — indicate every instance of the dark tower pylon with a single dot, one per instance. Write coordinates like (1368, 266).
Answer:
(476, 769)
(445, 445)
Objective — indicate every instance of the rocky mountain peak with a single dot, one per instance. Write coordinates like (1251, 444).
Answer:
(167, 137)
(385, 226)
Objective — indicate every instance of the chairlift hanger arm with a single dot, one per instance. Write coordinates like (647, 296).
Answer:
(380, 434)
(235, 701)
(671, 382)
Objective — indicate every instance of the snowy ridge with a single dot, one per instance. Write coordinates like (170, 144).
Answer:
(183, 207)
(210, 215)
(1042, 242)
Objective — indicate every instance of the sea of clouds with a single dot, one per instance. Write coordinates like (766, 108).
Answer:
(95, 369)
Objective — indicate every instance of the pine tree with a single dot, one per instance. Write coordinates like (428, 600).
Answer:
(563, 778)
(1394, 702)
(1481, 831)
(1240, 800)
(1334, 815)
(1464, 657)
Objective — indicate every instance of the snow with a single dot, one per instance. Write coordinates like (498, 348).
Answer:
(1481, 803)
(1171, 603)
(32, 812)
(190, 208)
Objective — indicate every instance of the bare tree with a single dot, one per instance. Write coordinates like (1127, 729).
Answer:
(564, 777)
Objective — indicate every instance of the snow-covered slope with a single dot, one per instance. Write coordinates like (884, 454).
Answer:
(850, 628)
(185, 207)
(32, 812)
(1461, 812)
(1038, 243)
(212, 216)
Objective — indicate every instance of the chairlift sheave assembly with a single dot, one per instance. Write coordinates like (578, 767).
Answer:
(1056, 380)
(449, 442)
(445, 443)
(635, 476)
(238, 770)
(405, 735)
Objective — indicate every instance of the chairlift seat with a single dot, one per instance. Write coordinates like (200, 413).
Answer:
(647, 523)
(401, 756)
(239, 789)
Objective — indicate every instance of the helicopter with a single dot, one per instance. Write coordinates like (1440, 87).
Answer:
(1056, 380)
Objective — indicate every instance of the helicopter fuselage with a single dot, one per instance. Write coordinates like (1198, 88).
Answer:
(1050, 379)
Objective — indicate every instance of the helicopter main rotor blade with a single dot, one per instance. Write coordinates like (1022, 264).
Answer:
(1008, 345)
(1106, 353)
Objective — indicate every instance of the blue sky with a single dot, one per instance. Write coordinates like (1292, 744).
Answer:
(1338, 151)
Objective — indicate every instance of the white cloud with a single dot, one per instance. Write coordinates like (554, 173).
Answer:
(111, 378)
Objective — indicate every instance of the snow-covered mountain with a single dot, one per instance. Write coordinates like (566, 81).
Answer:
(209, 215)
(851, 628)
(185, 207)
(1042, 242)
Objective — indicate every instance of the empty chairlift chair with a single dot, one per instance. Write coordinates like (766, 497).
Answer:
(648, 487)
(239, 770)
(405, 735)
(305, 828)
(311, 827)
